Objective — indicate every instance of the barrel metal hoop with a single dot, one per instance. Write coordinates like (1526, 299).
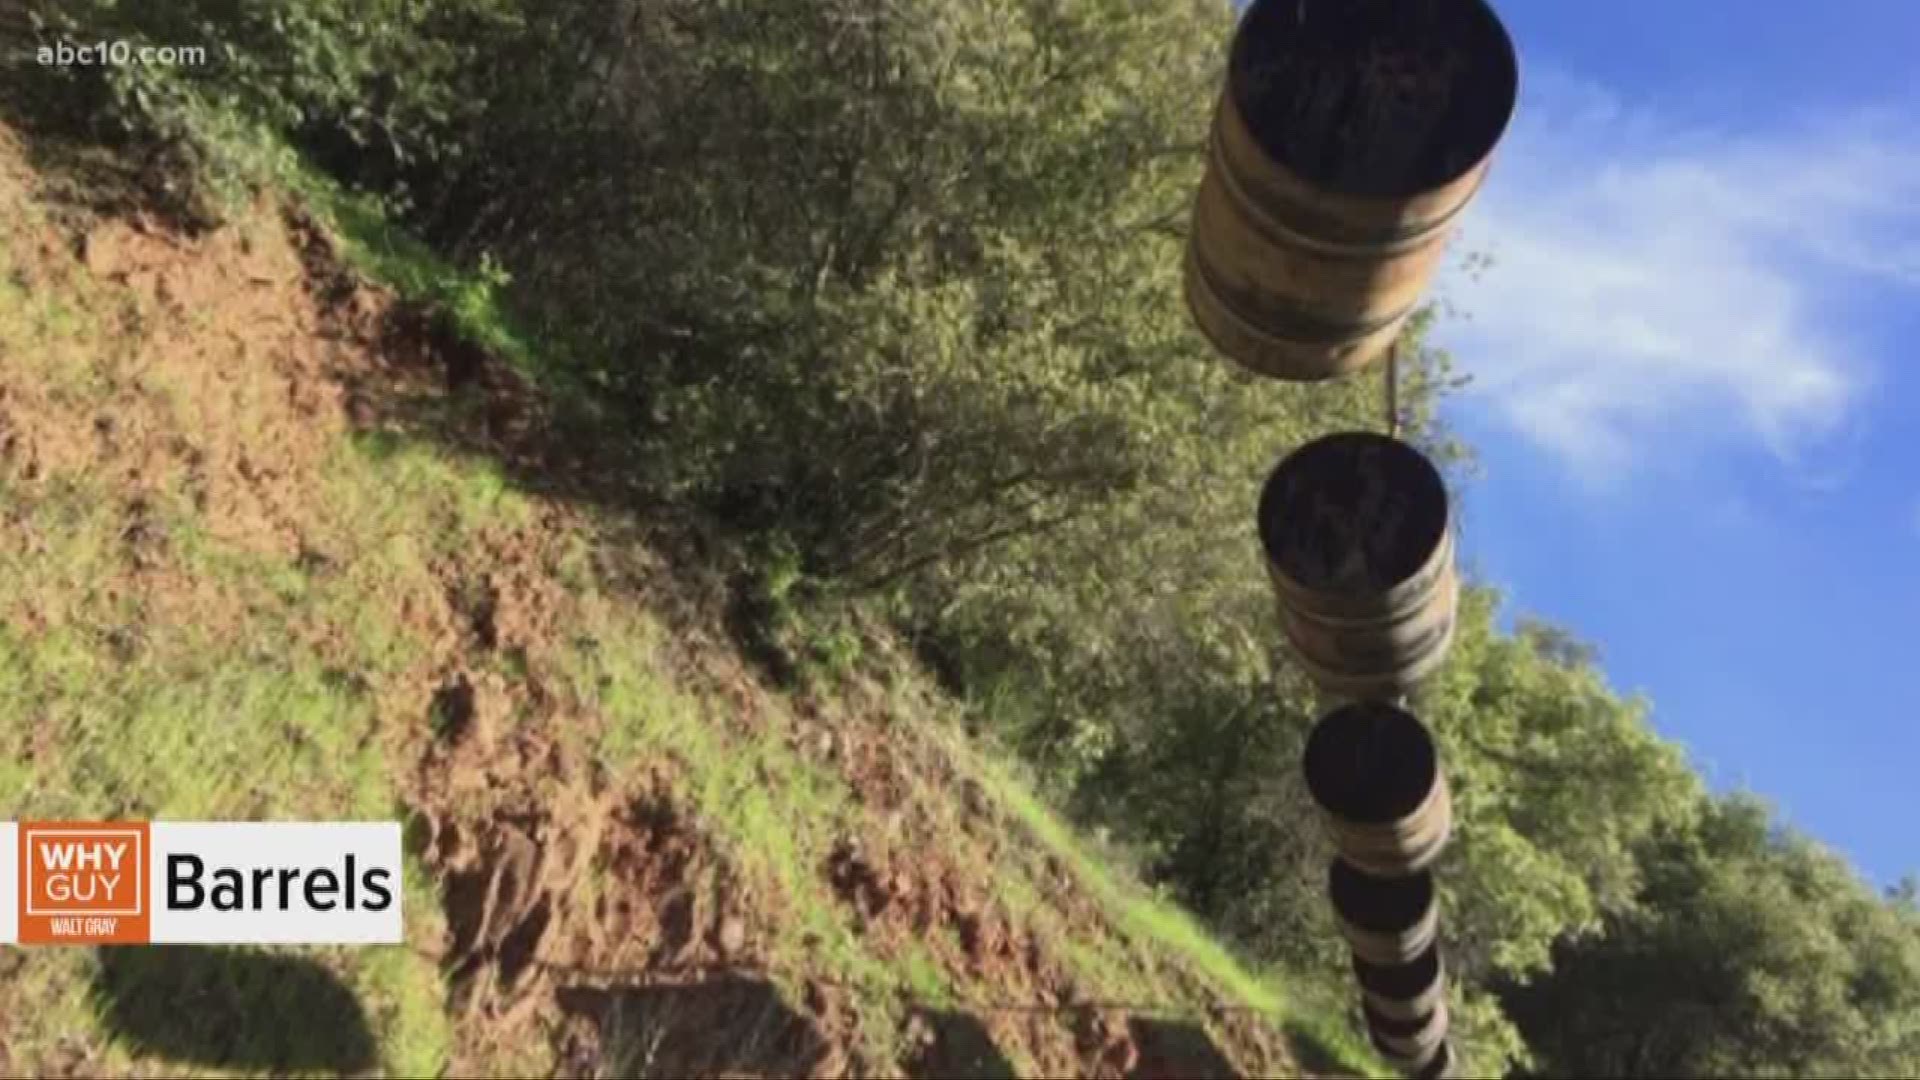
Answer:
(1298, 325)
(1290, 224)
(1397, 602)
(1388, 947)
(1413, 1008)
(1373, 683)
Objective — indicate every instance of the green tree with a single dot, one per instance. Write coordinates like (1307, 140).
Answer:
(1751, 952)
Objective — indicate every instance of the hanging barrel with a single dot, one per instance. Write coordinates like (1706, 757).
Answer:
(1409, 1043)
(1442, 1066)
(1375, 773)
(1385, 920)
(1355, 527)
(1406, 991)
(1411, 1064)
(1349, 136)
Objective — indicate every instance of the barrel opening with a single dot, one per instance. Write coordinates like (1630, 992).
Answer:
(1400, 982)
(1395, 1028)
(1378, 98)
(1354, 513)
(1370, 763)
(1381, 905)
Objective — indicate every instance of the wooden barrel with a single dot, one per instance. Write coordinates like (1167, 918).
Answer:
(1406, 991)
(1385, 920)
(1410, 1043)
(1349, 136)
(1359, 548)
(1375, 772)
(1443, 1065)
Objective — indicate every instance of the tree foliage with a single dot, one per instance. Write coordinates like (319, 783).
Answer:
(1750, 951)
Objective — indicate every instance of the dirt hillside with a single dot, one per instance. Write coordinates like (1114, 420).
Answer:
(266, 557)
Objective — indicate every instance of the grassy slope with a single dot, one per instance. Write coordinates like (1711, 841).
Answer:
(157, 662)
(197, 691)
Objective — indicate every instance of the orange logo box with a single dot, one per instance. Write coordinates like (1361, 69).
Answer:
(84, 883)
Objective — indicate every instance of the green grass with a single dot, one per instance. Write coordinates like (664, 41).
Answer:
(775, 815)
(421, 491)
(1306, 1018)
(372, 244)
(924, 978)
(1147, 916)
(208, 697)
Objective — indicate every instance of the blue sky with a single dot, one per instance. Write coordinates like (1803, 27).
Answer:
(1694, 398)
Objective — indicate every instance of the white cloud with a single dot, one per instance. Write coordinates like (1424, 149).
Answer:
(1656, 287)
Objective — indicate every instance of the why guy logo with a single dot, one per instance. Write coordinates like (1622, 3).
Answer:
(83, 882)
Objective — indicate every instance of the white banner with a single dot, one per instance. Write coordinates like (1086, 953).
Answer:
(93, 883)
(9, 883)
